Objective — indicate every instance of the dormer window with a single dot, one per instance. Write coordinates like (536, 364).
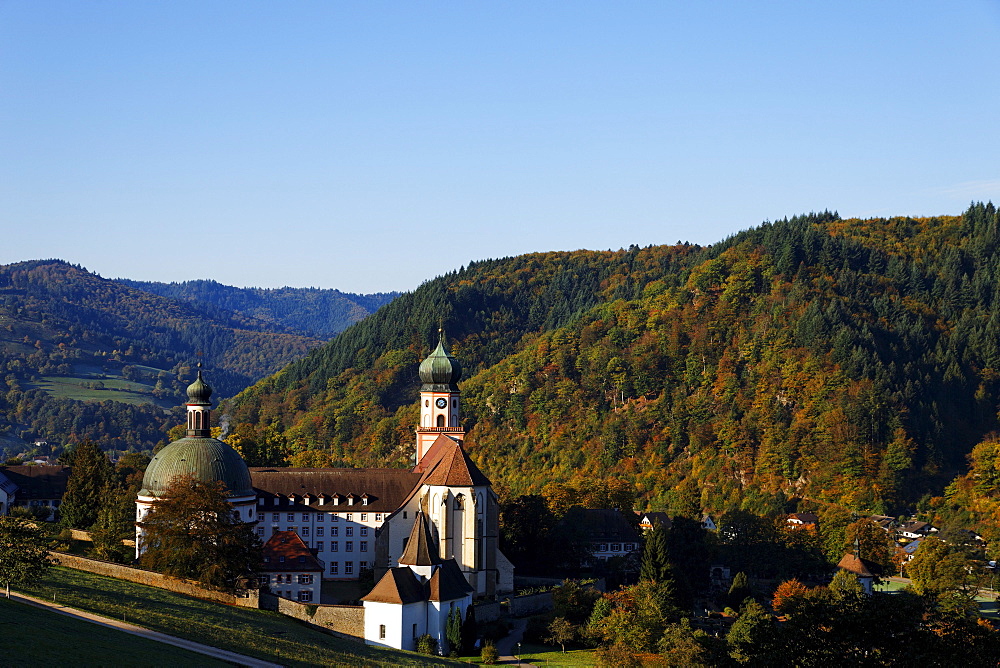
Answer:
(281, 559)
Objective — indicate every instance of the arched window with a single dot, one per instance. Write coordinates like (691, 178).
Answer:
(440, 420)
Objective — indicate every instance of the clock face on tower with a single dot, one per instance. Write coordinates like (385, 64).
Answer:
(441, 402)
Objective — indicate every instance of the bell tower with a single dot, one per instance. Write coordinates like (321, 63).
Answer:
(440, 403)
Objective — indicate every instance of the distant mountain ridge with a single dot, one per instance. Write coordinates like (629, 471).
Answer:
(82, 356)
(315, 312)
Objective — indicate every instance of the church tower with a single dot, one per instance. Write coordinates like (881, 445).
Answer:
(440, 405)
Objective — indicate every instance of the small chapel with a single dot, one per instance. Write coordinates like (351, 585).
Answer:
(429, 536)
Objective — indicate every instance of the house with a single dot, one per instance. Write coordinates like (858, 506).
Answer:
(607, 532)
(867, 571)
(708, 523)
(418, 596)
(802, 521)
(908, 551)
(290, 569)
(648, 520)
(915, 529)
(884, 522)
(8, 493)
(35, 486)
(357, 520)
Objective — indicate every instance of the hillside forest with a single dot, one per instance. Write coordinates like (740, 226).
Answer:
(811, 361)
(86, 357)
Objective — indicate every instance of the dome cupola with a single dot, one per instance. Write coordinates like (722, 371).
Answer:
(440, 372)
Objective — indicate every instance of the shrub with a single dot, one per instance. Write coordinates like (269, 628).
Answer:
(489, 654)
(537, 629)
(427, 645)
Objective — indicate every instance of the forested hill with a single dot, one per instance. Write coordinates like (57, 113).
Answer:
(67, 334)
(852, 361)
(315, 312)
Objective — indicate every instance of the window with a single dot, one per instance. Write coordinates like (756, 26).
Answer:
(275, 517)
(305, 579)
(305, 517)
(264, 580)
(364, 517)
(281, 558)
(615, 547)
(334, 518)
(305, 532)
(291, 517)
(440, 421)
(349, 531)
(349, 546)
(381, 631)
(350, 517)
(250, 513)
(363, 546)
(364, 531)
(319, 532)
(378, 517)
(274, 530)
(404, 514)
(319, 517)
(319, 546)
(364, 502)
(334, 567)
(362, 565)
(414, 630)
(348, 568)
(302, 559)
(260, 531)
(334, 532)
(603, 547)
(305, 596)
(333, 545)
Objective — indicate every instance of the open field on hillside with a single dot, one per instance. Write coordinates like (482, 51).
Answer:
(31, 636)
(258, 633)
(105, 389)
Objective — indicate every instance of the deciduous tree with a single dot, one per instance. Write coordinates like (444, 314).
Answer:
(193, 532)
(23, 556)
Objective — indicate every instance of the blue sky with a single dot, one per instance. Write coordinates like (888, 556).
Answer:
(370, 146)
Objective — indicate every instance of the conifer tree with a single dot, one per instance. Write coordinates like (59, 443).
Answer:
(655, 564)
(90, 475)
(453, 631)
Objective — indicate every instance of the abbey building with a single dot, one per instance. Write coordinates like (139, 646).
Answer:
(360, 520)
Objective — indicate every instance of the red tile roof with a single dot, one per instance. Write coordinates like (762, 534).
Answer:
(284, 551)
(398, 585)
(446, 463)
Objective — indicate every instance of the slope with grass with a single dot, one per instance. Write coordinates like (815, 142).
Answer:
(34, 637)
(258, 633)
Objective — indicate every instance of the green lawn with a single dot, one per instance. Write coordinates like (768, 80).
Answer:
(258, 633)
(544, 655)
(31, 636)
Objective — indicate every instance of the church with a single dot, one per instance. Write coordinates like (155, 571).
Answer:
(441, 513)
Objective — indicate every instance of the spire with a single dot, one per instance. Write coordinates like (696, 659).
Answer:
(419, 547)
(440, 371)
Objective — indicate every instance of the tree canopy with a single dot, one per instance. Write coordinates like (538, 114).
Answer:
(194, 533)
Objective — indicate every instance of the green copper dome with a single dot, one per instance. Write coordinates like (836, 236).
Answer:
(199, 391)
(207, 459)
(440, 371)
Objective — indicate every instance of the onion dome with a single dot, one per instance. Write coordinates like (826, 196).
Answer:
(199, 391)
(440, 371)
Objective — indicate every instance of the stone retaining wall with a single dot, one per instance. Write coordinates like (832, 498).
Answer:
(347, 621)
(188, 587)
(533, 604)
